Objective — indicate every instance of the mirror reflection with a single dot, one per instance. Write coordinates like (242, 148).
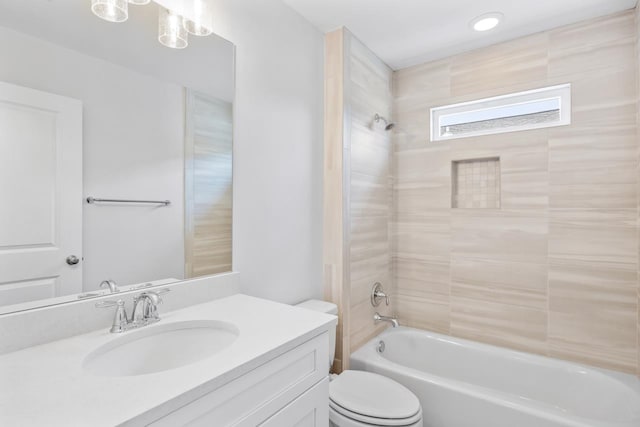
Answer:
(115, 166)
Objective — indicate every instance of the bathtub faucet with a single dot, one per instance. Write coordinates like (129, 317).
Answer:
(393, 320)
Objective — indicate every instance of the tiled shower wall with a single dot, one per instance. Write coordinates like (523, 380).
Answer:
(554, 270)
(368, 86)
(357, 188)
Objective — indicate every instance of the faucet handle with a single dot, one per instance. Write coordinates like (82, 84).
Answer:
(153, 296)
(377, 293)
(120, 320)
(107, 304)
(159, 292)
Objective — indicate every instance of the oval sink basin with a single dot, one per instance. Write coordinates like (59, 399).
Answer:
(160, 348)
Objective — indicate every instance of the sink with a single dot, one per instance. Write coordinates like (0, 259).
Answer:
(160, 347)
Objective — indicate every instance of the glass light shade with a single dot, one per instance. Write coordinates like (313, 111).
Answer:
(171, 30)
(196, 26)
(196, 29)
(140, 2)
(111, 10)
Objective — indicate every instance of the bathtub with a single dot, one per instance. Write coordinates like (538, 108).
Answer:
(463, 383)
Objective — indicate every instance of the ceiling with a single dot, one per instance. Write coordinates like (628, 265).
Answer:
(409, 32)
(207, 65)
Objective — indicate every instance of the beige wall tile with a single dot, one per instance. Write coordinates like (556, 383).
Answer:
(369, 196)
(422, 278)
(486, 72)
(369, 85)
(419, 197)
(512, 326)
(594, 235)
(362, 328)
(593, 313)
(582, 36)
(508, 236)
(563, 63)
(428, 313)
(593, 169)
(612, 85)
(523, 164)
(413, 129)
(422, 84)
(429, 166)
(424, 236)
(517, 284)
(423, 177)
(592, 44)
(333, 253)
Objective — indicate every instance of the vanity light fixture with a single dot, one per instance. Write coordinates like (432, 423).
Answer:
(111, 10)
(486, 22)
(171, 30)
(195, 27)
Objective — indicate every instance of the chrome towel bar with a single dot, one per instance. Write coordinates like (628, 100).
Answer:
(92, 200)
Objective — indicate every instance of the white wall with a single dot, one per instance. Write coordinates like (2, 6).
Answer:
(277, 148)
(133, 148)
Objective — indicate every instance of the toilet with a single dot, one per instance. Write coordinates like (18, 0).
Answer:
(365, 399)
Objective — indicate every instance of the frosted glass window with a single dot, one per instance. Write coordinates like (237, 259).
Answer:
(533, 109)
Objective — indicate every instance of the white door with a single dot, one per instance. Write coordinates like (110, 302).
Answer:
(40, 195)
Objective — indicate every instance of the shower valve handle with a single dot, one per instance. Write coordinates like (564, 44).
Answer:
(377, 294)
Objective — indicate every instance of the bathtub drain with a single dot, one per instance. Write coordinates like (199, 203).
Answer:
(380, 347)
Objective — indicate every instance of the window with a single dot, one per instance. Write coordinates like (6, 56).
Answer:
(533, 109)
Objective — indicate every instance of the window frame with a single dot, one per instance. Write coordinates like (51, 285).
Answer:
(560, 92)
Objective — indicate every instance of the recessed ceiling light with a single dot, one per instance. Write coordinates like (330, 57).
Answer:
(486, 22)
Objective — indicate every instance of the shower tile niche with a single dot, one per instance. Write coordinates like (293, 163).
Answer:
(475, 183)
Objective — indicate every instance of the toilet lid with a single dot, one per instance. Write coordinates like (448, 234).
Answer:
(373, 395)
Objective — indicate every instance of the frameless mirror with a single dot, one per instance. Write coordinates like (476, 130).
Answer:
(115, 150)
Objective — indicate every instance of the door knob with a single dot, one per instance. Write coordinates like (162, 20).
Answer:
(72, 260)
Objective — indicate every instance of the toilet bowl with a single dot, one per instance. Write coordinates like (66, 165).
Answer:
(365, 399)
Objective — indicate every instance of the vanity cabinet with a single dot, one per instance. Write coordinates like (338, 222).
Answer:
(291, 389)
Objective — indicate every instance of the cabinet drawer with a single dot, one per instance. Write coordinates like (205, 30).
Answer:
(309, 410)
(253, 397)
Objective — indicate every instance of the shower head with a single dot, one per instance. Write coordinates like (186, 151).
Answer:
(387, 125)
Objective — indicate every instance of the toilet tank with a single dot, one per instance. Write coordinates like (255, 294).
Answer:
(329, 308)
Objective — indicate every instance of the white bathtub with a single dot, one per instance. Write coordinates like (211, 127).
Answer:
(462, 383)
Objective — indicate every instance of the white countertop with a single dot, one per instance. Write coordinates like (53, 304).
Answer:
(45, 385)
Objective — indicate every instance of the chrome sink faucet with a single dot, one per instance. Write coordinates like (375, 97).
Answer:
(145, 308)
(145, 311)
(111, 284)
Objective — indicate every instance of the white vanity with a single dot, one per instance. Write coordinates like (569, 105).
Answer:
(238, 360)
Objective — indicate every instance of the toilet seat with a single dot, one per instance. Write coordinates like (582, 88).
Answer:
(373, 399)
(345, 418)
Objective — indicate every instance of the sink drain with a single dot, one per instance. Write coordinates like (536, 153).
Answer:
(380, 347)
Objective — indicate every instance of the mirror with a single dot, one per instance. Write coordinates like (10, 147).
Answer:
(115, 153)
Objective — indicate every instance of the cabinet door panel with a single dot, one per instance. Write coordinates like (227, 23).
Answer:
(309, 410)
(253, 397)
